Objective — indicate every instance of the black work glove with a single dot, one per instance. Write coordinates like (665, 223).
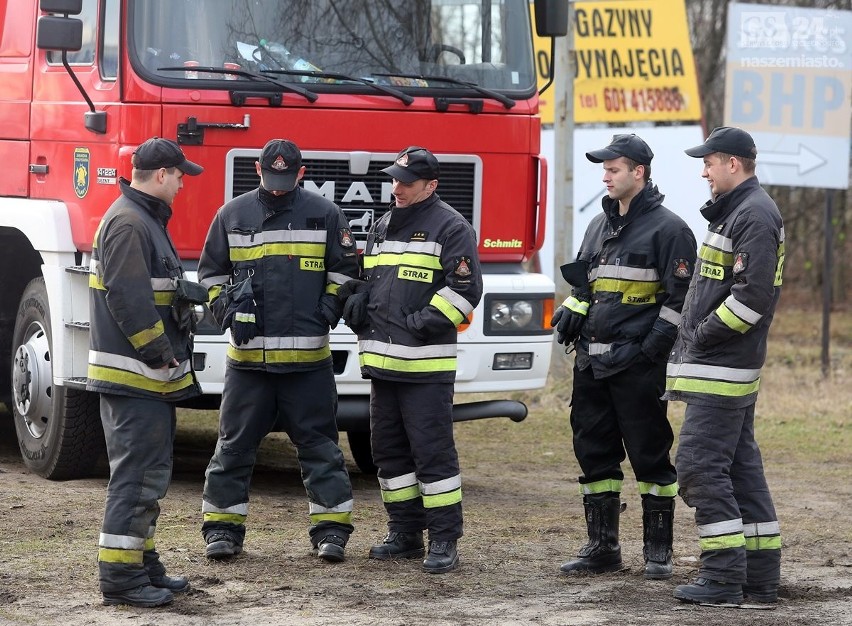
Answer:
(414, 324)
(351, 287)
(656, 346)
(569, 317)
(242, 320)
(328, 309)
(355, 311)
(187, 295)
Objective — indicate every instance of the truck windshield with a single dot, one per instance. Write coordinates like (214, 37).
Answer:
(398, 43)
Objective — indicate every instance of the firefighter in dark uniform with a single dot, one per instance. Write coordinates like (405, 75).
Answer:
(421, 281)
(273, 261)
(715, 368)
(140, 363)
(629, 283)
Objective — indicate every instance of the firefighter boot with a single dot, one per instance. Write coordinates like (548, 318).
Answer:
(144, 596)
(602, 553)
(397, 545)
(658, 523)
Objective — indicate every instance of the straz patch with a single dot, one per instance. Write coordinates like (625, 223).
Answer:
(81, 171)
(463, 267)
(420, 235)
(346, 238)
(716, 272)
(681, 268)
(409, 273)
(312, 265)
(628, 299)
(740, 262)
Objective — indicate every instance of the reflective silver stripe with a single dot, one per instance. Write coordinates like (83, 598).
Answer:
(715, 240)
(138, 367)
(436, 351)
(237, 509)
(337, 278)
(456, 300)
(441, 486)
(418, 247)
(596, 349)
(670, 315)
(626, 272)
(714, 372)
(742, 311)
(782, 235)
(728, 527)
(212, 281)
(163, 284)
(761, 529)
(121, 542)
(398, 482)
(343, 507)
(93, 266)
(241, 240)
(284, 343)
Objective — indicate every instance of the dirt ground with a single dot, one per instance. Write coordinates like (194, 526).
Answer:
(523, 518)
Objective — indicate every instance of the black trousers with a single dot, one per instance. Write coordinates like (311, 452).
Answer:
(412, 441)
(620, 414)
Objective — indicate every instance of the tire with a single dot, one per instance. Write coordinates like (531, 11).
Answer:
(359, 444)
(59, 428)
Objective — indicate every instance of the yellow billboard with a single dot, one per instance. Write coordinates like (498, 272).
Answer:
(633, 63)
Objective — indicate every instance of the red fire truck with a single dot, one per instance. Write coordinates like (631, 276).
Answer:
(83, 82)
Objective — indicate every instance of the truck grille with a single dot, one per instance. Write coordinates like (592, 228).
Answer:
(459, 184)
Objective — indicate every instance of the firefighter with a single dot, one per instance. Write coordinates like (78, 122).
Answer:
(140, 363)
(421, 281)
(273, 262)
(715, 368)
(629, 283)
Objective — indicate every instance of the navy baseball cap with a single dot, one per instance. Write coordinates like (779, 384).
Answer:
(414, 163)
(280, 162)
(156, 153)
(727, 140)
(630, 146)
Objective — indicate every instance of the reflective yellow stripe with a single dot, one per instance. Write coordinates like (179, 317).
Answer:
(214, 292)
(231, 518)
(663, 491)
(340, 518)
(144, 337)
(716, 257)
(164, 298)
(442, 499)
(414, 259)
(114, 555)
(245, 356)
(779, 267)
(137, 381)
(601, 486)
(578, 306)
(149, 544)
(711, 386)
(402, 365)
(635, 292)
(731, 320)
(278, 249)
(96, 283)
(763, 543)
(401, 495)
(332, 288)
(451, 312)
(278, 356)
(722, 542)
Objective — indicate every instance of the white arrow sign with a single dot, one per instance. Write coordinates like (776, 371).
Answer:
(806, 159)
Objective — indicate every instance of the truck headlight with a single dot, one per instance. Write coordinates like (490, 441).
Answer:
(518, 315)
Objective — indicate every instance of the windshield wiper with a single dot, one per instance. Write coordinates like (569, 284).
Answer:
(390, 91)
(310, 96)
(504, 100)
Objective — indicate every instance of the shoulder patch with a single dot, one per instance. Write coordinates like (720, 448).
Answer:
(463, 267)
(740, 262)
(346, 239)
(681, 268)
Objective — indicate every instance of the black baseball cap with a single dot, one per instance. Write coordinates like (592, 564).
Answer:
(280, 162)
(157, 152)
(414, 163)
(728, 140)
(630, 146)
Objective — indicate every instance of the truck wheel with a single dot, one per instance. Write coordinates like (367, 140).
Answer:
(59, 429)
(359, 444)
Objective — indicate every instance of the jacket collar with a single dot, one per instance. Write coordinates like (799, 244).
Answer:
(161, 211)
(716, 209)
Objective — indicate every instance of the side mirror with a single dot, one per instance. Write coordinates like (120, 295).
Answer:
(59, 33)
(67, 7)
(551, 18)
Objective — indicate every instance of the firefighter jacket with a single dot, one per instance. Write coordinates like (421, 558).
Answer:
(134, 330)
(422, 267)
(295, 250)
(721, 345)
(639, 270)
